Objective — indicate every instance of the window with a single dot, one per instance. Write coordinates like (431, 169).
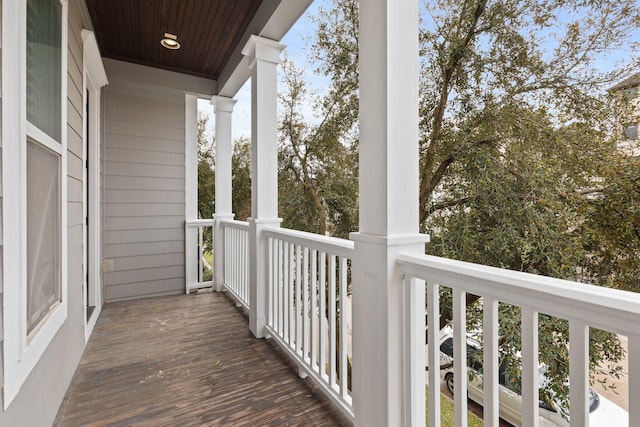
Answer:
(44, 153)
(35, 163)
(630, 92)
(631, 131)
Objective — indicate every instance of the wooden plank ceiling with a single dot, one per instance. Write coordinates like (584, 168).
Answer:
(208, 31)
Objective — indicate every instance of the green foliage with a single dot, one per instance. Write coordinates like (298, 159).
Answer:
(612, 229)
(318, 178)
(241, 179)
(206, 178)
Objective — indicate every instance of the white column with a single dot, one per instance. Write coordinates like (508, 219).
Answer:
(223, 108)
(191, 190)
(264, 56)
(388, 212)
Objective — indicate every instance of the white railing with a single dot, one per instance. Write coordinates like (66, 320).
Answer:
(236, 261)
(582, 305)
(198, 271)
(309, 313)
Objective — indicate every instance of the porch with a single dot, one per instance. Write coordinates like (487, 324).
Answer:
(185, 360)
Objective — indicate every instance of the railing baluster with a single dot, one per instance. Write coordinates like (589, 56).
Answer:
(343, 327)
(332, 320)
(314, 313)
(323, 313)
(306, 318)
(634, 379)
(279, 286)
(433, 325)
(290, 289)
(490, 362)
(414, 307)
(283, 289)
(579, 372)
(460, 357)
(270, 287)
(287, 286)
(530, 412)
(298, 307)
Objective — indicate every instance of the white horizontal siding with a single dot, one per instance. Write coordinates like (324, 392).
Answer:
(143, 195)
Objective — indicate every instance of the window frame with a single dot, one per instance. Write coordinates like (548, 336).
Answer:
(21, 351)
(635, 131)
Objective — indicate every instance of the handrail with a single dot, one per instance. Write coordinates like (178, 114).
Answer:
(200, 222)
(609, 309)
(339, 247)
(240, 225)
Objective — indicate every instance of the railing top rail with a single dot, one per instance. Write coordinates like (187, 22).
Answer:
(200, 222)
(340, 247)
(232, 223)
(609, 309)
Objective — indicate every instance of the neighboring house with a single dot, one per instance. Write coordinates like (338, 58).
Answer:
(628, 115)
(99, 203)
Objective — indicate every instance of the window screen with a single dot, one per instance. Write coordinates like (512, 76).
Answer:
(43, 232)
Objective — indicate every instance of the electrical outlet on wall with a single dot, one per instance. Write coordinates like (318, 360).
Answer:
(107, 265)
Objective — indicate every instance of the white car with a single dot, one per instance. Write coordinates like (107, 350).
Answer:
(602, 412)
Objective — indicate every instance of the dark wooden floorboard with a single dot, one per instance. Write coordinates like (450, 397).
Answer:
(185, 361)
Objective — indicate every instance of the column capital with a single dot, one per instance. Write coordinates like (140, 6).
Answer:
(262, 48)
(222, 103)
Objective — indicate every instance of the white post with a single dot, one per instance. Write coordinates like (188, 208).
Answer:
(264, 56)
(223, 108)
(191, 190)
(388, 212)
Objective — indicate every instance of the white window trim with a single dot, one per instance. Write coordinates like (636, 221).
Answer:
(21, 354)
(94, 78)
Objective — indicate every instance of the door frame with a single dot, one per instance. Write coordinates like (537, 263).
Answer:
(94, 78)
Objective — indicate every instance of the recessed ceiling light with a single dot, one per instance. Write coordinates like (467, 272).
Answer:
(170, 41)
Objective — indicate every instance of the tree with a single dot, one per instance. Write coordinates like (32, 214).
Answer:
(241, 179)
(206, 178)
(318, 161)
(514, 137)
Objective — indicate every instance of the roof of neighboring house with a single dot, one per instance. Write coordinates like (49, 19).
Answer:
(628, 82)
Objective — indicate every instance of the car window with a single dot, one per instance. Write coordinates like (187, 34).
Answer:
(447, 347)
(513, 383)
(474, 358)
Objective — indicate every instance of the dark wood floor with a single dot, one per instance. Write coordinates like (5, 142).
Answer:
(185, 361)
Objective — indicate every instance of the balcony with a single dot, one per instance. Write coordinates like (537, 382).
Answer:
(198, 347)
